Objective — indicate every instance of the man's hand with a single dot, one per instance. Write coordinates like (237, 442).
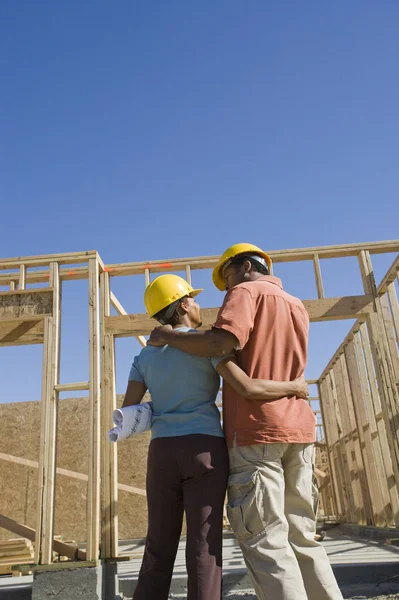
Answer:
(157, 337)
(302, 388)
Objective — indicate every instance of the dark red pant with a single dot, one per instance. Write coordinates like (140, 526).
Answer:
(184, 474)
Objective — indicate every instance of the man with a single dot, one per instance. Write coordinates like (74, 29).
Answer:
(270, 443)
(187, 459)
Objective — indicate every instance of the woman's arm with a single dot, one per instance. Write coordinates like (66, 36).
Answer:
(259, 389)
(134, 393)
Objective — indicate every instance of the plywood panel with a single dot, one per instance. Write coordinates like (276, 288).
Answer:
(26, 303)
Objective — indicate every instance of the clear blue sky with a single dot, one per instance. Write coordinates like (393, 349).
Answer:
(151, 130)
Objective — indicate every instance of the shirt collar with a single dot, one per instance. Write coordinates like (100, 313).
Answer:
(271, 279)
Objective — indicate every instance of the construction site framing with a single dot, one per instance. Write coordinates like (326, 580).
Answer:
(358, 389)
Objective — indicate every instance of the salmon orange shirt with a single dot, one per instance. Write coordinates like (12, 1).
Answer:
(272, 329)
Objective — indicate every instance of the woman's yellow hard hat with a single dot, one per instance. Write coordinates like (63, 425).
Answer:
(165, 290)
(231, 253)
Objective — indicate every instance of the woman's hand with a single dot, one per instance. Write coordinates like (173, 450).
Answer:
(302, 388)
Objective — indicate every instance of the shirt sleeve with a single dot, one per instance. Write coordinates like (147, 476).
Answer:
(215, 360)
(237, 314)
(135, 373)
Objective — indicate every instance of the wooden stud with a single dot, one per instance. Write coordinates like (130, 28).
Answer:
(22, 277)
(48, 430)
(370, 446)
(93, 488)
(391, 333)
(109, 513)
(327, 433)
(147, 277)
(382, 361)
(348, 448)
(393, 301)
(319, 280)
(188, 274)
(377, 424)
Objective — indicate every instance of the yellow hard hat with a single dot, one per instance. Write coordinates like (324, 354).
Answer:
(231, 253)
(165, 290)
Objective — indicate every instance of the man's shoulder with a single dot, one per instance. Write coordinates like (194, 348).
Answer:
(269, 286)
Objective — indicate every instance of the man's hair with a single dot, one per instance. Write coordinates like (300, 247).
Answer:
(255, 264)
(168, 316)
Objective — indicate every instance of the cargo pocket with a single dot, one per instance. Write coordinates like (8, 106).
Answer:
(243, 508)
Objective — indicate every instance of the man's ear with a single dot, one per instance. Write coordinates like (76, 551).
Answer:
(247, 266)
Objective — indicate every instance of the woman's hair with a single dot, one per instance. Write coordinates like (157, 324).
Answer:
(170, 315)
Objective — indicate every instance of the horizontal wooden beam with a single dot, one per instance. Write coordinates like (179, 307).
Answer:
(26, 462)
(77, 386)
(277, 256)
(18, 304)
(325, 309)
(22, 332)
(41, 260)
(69, 550)
(389, 277)
(175, 264)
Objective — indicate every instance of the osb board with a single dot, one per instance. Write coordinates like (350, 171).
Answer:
(21, 424)
(26, 303)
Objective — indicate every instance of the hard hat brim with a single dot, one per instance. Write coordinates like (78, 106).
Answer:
(196, 292)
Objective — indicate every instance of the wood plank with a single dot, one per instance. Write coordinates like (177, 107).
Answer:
(393, 301)
(349, 307)
(48, 431)
(348, 445)
(389, 394)
(77, 386)
(327, 434)
(40, 260)
(93, 488)
(333, 427)
(319, 280)
(389, 277)
(376, 424)
(22, 277)
(109, 517)
(390, 331)
(121, 311)
(21, 332)
(379, 496)
(277, 256)
(62, 548)
(26, 304)
(67, 473)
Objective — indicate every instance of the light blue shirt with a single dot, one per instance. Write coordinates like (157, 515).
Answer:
(183, 390)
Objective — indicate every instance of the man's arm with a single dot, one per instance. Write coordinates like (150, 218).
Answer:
(215, 342)
(134, 393)
(259, 389)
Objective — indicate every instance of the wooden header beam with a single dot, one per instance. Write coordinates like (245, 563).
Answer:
(176, 264)
(326, 309)
(42, 260)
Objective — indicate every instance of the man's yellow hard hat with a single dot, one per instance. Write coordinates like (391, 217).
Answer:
(165, 290)
(231, 253)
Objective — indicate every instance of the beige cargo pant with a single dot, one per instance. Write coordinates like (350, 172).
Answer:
(271, 511)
